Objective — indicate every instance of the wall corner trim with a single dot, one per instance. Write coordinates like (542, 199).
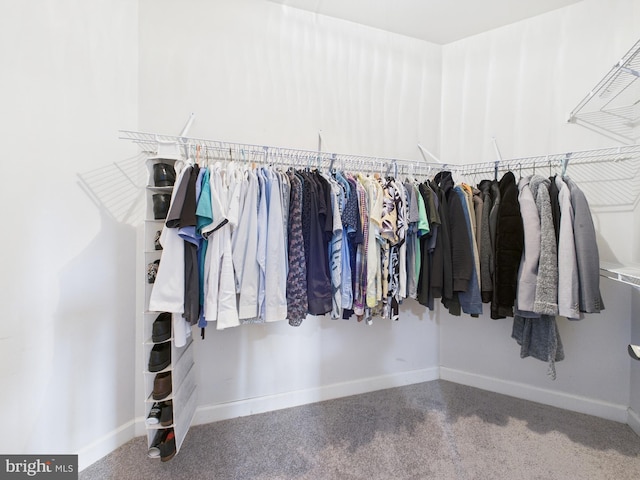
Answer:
(567, 401)
(106, 444)
(633, 420)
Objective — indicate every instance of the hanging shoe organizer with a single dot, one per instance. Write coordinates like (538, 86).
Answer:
(612, 107)
(177, 378)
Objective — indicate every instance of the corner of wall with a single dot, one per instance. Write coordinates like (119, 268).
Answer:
(633, 420)
(106, 444)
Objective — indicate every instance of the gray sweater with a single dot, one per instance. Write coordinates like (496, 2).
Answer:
(546, 300)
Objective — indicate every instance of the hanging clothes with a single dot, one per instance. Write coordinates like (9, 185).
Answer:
(586, 251)
(297, 305)
(508, 247)
(220, 285)
(359, 299)
(244, 247)
(374, 267)
(253, 245)
(528, 270)
(411, 240)
(192, 243)
(568, 278)
(546, 298)
(352, 227)
(470, 299)
(539, 338)
(534, 326)
(461, 255)
(275, 270)
(335, 245)
(318, 275)
(486, 246)
(442, 274)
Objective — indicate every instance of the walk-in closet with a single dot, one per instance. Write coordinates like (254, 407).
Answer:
(278, 239)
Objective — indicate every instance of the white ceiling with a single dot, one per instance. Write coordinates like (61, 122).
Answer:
(436, 21)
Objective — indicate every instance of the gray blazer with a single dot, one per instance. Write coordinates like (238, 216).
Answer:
(587, 256)
(568, 280)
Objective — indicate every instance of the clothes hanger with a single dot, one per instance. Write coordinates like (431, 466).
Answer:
(565, 164)
(333, 159)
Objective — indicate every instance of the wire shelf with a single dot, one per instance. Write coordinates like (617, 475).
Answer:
(612, 108)
(629, 274)
(584, 166)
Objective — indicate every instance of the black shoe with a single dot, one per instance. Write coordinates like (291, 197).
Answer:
(154, 414)
(160, 357)
(154, 449)
(166, 414)
(161, 328)
(168, 446)
(161, 202)
(164, 175)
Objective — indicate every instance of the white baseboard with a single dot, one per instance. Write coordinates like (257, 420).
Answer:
(106, 444)
(241, 408)
(633, 420)
(567, 401)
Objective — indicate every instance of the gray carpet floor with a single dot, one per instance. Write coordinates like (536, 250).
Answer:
(434, 430)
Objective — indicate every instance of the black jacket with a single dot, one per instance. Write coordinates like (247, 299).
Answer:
(508, 248)
(486, 245)
(461, 266)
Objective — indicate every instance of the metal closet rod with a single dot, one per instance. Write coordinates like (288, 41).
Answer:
(301, 157)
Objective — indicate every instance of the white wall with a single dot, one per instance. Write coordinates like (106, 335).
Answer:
(270, 74)
(69, 81)
(258, 72)
(518, 83)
